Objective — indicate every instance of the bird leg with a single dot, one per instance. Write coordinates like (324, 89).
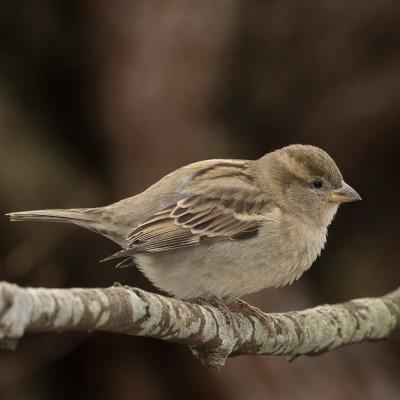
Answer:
(224, 308)
(241, 306)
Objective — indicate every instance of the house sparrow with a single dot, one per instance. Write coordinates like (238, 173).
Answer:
(223, 228)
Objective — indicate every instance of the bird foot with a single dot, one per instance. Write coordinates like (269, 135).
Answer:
(240, 306)
(224, 308)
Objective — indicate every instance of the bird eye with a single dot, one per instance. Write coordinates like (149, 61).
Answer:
(317, 184)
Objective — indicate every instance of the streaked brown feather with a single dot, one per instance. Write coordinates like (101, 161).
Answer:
(220, 202)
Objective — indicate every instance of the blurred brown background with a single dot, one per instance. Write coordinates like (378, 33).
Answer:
(99, 99)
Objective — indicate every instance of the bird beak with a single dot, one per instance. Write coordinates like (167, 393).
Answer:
(344, 194)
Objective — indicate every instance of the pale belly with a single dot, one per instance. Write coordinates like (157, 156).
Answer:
(231, 269)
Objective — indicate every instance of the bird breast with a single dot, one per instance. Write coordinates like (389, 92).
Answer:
(231, 269)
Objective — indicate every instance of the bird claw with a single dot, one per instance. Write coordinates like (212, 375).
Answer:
(216, 302)
(240, 306)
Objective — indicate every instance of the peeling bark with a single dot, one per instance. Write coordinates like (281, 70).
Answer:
(205, 329)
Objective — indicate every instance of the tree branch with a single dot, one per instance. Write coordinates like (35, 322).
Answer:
(205, 329)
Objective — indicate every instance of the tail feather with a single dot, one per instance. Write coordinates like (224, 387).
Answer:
(69, 216)
(99, 220)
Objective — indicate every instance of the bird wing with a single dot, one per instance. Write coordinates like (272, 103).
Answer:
(220, 201)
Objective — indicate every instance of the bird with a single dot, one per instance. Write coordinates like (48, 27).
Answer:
(222, 228)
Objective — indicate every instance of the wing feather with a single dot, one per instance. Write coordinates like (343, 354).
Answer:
(220, 202)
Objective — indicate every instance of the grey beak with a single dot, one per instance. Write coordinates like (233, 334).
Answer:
(344, 194)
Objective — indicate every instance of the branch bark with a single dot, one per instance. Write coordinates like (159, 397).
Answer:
(205, 329)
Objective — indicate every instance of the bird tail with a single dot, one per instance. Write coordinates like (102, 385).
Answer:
(94, 219)
(75, 216)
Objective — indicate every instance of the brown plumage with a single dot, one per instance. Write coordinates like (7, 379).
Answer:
(223, 228)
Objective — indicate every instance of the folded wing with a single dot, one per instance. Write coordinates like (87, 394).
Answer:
(221, 202)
